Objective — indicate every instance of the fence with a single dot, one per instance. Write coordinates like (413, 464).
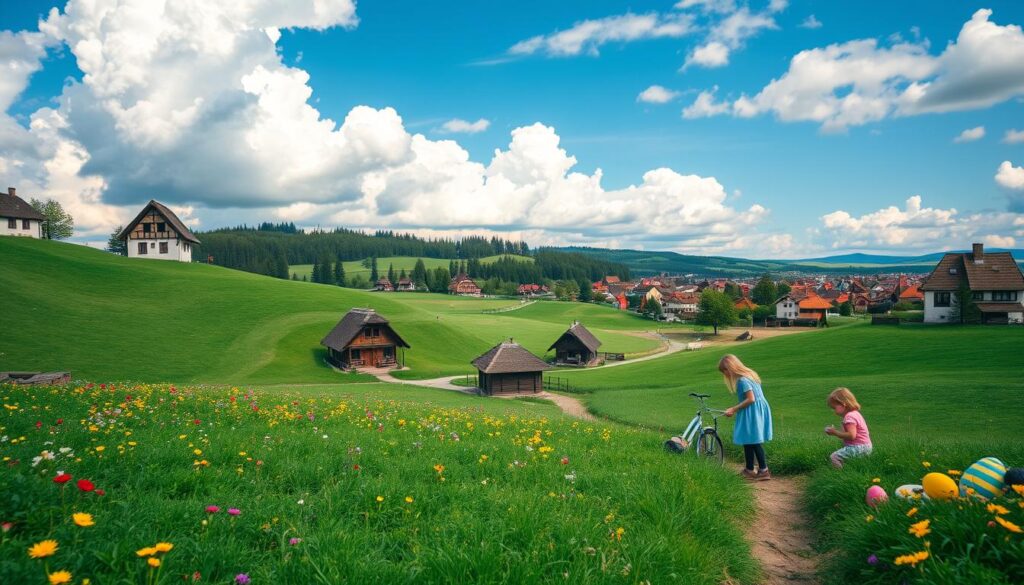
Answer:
(612, 357)
(884, 320)
(559, 384)
(507, 309)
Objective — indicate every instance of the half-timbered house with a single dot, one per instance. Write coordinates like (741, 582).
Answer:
(157, 233)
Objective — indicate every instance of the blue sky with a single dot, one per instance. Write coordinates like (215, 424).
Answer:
(776, 178)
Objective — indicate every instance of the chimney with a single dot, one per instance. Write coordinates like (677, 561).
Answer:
(10, 191)
(978, 253)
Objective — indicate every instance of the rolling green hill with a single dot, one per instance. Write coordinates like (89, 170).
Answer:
(108, 317)
(406, 263)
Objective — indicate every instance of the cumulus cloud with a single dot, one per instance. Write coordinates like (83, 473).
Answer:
(460, 126)
(705, 105)
(914, 228)
(857, 82)
(729, 34)
(1000, 241)
(1014, 137)
(190, 103)
(657, 94)
(811, 22)
(1010, 176)
(588, 35)
(971, 134)
(718, 6)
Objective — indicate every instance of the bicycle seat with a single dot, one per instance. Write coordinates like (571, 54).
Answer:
(695, 395)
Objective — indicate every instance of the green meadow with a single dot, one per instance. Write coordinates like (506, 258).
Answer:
(935, 398)
(399, 263)
(107, 317)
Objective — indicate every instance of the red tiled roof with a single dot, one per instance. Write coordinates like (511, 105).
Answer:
(815, 302)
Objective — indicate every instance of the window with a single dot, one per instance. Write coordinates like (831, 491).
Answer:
(1004, 295)
(163, 247)
(942, 299)
(142, 248)
(978, 295)
(356, 354)
(12, 224)
(25, 224)
(161, 227)
(186, 247)
(146, 227)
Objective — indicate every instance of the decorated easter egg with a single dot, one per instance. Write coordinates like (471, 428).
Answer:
(939, 486)
(1014, 476)
(911, 491)
(984, 479)
(875, 496)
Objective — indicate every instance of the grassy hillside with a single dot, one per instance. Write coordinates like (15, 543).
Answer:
(406, 263)
(108, 317)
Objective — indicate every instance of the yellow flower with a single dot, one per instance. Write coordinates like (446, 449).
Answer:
(163, 547)
(439, 468)
(100, 448)
(59, 577)
(926, 464)
(380, 498)
(953, 472)
(1019, 489)
(153, 562)
(408, 499)
(1008, 525)
(82, 519)
(912, 559)
(996, 509)
(146, 552)
(911, 512)
(920, 529)
(44, 548)
(197, 451)
(869, 518)
(876, 480)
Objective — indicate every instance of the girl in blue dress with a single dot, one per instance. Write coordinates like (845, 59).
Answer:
(753, 425)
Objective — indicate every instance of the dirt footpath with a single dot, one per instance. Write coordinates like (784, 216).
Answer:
(780, 535)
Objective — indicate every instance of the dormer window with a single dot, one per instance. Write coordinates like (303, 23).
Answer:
(161, 227)
(146, 227)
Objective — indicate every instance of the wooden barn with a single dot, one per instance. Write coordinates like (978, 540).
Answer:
(576, 347)
(364, 339)
(508, 368)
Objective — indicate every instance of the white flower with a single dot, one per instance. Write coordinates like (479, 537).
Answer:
(301, 502)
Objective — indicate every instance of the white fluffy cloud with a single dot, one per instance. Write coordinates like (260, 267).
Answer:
(857, 82)
(729, 34)
(1014, 137)
(719, 6)
(970, 134)
(190, 103)
(460, 126)
(1010, 176)
(915, 228)
(588, 35)
(657, 94)
(705, 105)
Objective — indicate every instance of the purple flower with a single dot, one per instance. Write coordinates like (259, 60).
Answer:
(872, 560)
(242, 579)
(235, 512)
(293, 541)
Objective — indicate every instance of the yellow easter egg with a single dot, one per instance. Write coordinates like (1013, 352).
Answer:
(940, 486)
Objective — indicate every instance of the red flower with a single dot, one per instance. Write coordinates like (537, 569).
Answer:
(62, 478)
(39, 424)
(103, 386)
(85, 485)
(197, 421)
(565, 461)
(356, 467)
(60, 421)
(101, 493)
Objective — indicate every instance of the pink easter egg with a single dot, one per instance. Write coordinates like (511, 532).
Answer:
(875, 495)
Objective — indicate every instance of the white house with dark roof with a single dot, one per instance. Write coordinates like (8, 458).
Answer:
(994, 279)
(18, 218)
(157, 233)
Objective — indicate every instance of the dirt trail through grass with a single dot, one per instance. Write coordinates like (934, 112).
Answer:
(780, 536)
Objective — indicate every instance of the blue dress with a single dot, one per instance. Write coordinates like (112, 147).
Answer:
(753, 423)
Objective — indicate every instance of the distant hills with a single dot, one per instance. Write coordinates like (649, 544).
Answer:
(653, 262)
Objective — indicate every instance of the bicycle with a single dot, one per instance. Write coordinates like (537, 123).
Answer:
(707, 444)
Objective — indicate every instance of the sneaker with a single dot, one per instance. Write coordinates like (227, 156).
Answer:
(763, 475)
(748, 474)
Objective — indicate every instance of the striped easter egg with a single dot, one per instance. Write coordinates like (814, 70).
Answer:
(985, 478)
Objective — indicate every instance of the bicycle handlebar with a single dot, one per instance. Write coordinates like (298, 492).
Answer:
(695, 395)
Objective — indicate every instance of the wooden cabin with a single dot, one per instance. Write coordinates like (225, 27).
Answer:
(464, 286)
(576, 347)
(384, 285)
(364, 339)
(508, 368)
(157, 233)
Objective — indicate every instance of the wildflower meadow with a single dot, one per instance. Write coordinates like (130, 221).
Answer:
(170, 484)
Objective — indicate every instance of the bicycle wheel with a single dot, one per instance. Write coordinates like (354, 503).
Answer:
(709, 446)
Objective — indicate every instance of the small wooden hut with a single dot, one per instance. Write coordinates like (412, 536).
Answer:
(363, 339)
(576, 347)
(508, 368)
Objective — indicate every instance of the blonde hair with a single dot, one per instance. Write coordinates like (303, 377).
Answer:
(733, 369)
(843, 397)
